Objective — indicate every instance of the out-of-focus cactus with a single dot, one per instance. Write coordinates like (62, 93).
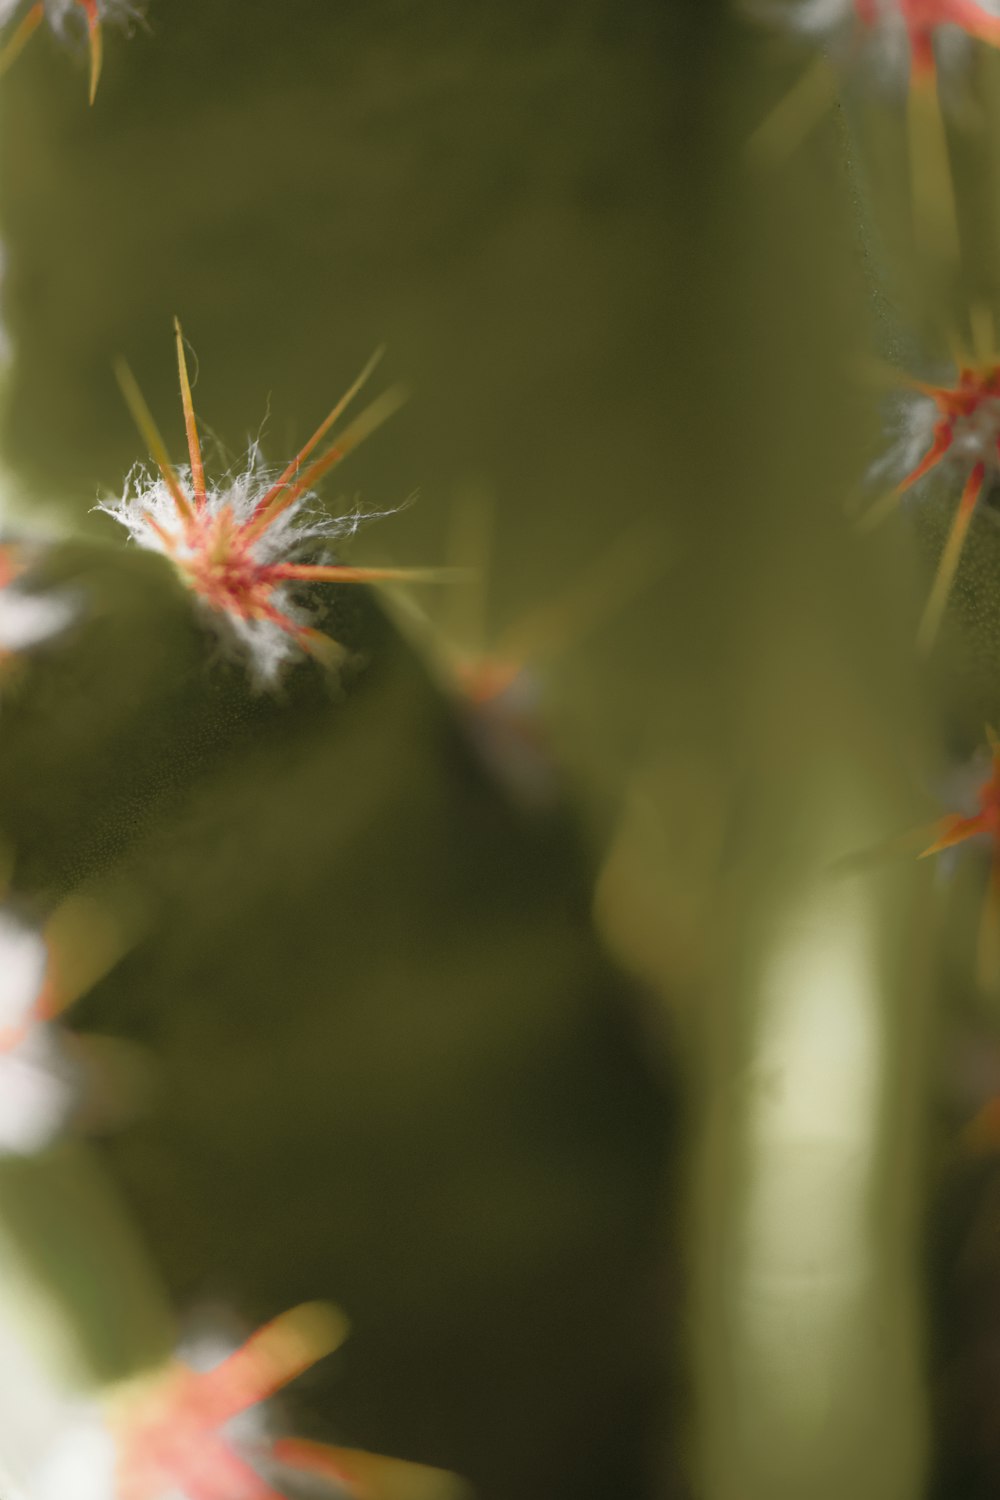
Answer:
(361, 1043)
(323, 997)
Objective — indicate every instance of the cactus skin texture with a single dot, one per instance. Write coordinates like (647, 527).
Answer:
(389, 1063)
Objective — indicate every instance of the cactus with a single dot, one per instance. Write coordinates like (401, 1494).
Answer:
(302, 1006)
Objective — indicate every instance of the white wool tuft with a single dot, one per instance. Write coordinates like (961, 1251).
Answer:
(62, 14)
(819, 18)
(26, 619)
(202, 1349)
(37, 1093)
(80, 1464)
(974, 440)
(885, 50)
(37, 1081)
(267, 648)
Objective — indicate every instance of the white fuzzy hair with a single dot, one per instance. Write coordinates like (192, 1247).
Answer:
(836, 26)
(974, 440)
(265, 647)
(38, 1093)
(37, 1082)
(64, 14)
(26, 619)
(82, 1460)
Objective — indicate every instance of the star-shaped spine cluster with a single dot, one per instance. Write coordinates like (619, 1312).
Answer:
(953, 431)
(905, 37)
(202, 1428)
(61, 14)
(237, 546)
(186, 1432)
